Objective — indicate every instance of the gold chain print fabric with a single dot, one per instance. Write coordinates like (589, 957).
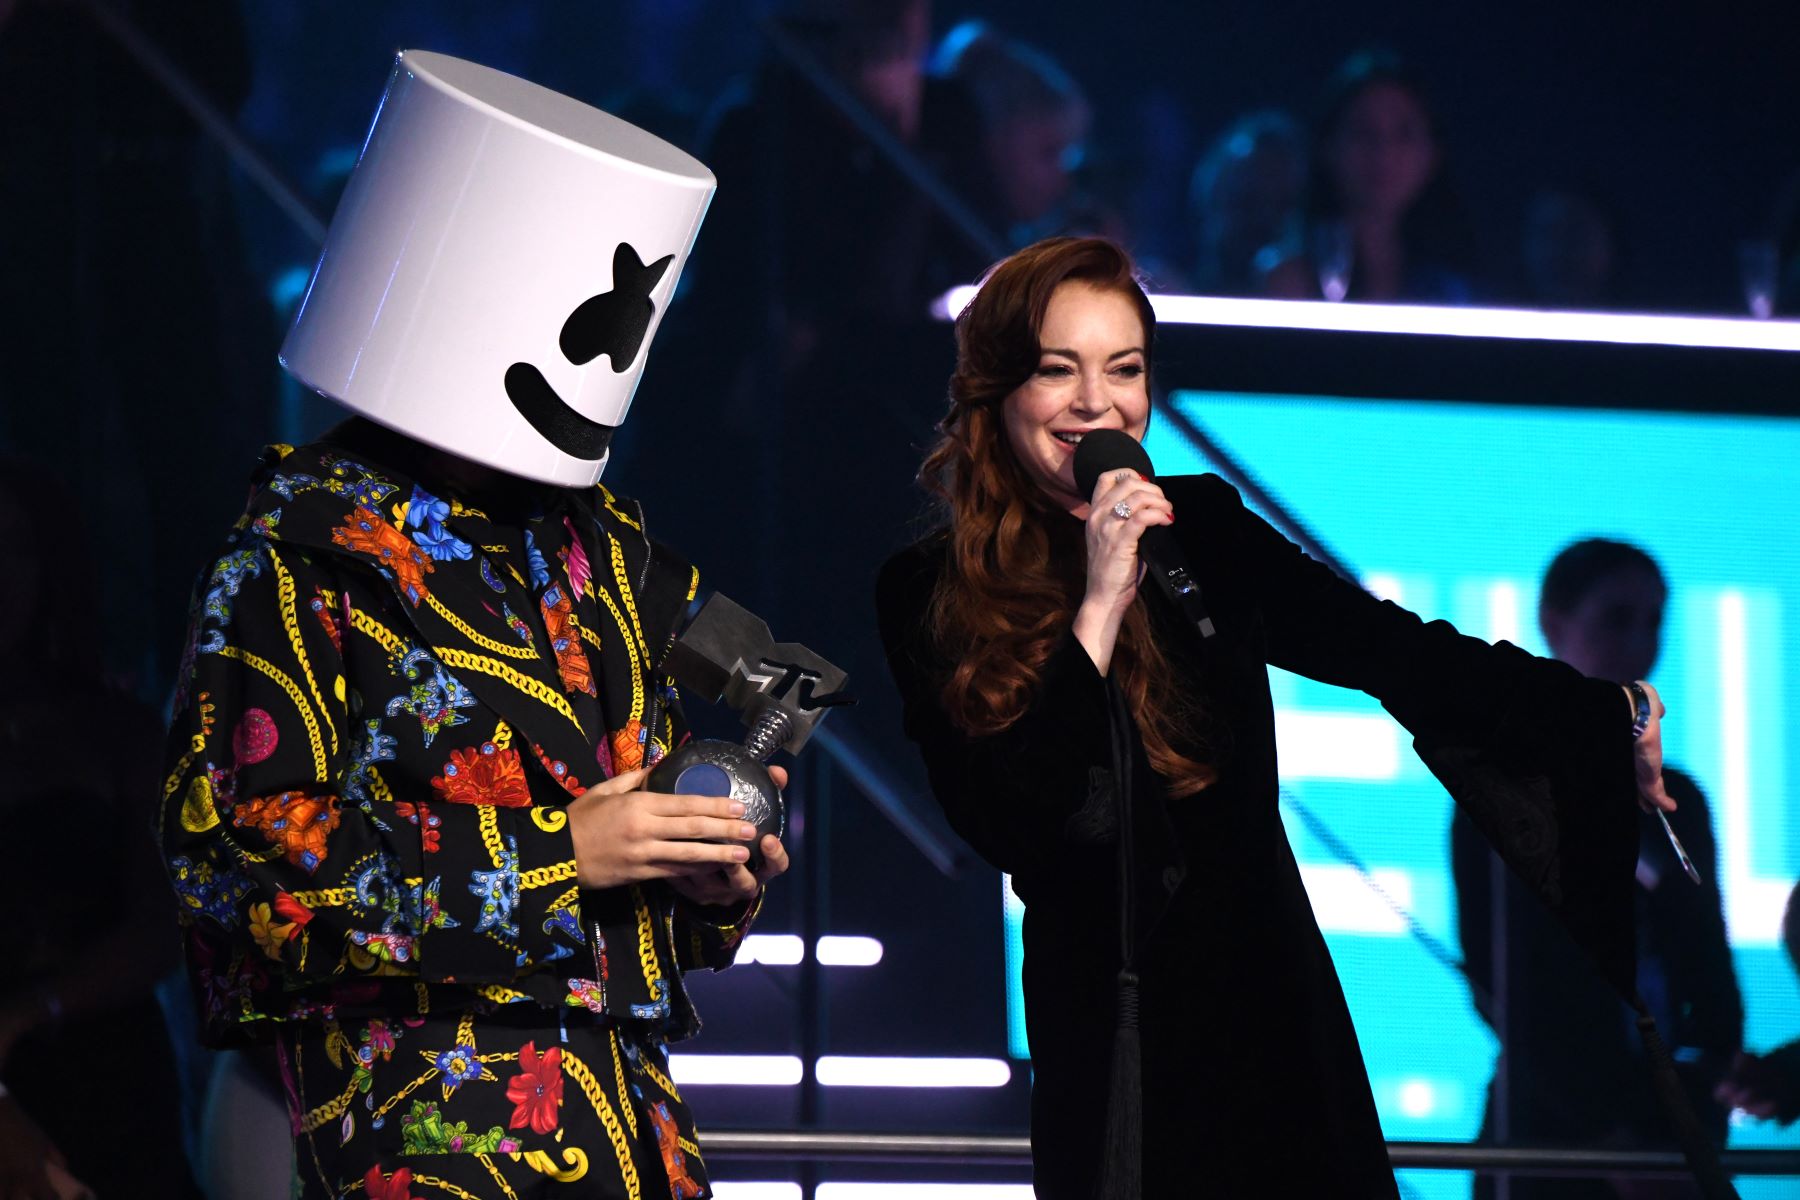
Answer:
(388, 697)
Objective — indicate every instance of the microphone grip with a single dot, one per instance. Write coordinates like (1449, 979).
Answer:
(1106, 450)
(1158, 544)
(1164, 561)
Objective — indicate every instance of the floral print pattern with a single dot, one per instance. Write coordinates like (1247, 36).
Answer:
(536, 1091)
(297, 823)
(366, 532)
(565, 641)
(595, 1101)
(425, 515)
(485, 774)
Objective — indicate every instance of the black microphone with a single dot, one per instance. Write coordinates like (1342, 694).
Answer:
(1107, 450)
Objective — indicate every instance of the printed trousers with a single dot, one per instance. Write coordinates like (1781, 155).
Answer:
(507, 1105)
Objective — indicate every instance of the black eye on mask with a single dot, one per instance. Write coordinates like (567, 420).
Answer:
(614, 324)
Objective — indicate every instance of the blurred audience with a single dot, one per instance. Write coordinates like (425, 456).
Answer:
(1158, 147)
(811, 220)
(1033, 123)
(1380, 219)
(1244, 198)
(805, 344)
(1783, 236)
(1569, 250)
(1571, 1069)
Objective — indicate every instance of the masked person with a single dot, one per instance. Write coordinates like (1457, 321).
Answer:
(404, 808)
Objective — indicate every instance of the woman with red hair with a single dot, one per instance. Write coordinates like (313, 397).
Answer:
(1186, 1022)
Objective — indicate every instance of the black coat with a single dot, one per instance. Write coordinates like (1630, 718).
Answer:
(1253, 1080)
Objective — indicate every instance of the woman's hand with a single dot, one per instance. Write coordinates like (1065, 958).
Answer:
(1759, 1086)
(1649, 756)
(27, 1156)
(1113, 567)
(624, 834)
(735, 883)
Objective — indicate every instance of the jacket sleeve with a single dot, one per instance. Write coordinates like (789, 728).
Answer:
(281, 836)
(1538, 755)
(1022, 797)
(1429, 676)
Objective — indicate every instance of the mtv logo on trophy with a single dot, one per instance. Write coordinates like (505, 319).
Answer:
(781, 689)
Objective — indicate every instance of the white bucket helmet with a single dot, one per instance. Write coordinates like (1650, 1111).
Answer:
(496, 269)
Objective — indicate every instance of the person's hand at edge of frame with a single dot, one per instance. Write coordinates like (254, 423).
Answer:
(1757, 1085)
(31, 1167)
(1648, 754)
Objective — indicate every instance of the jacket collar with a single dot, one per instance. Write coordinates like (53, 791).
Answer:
(449, 563)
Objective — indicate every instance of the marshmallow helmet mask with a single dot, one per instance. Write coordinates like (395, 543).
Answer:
(497, 269)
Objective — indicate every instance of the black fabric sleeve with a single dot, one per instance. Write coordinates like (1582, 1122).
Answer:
(1430, 677)
(1012, 795)
(1538, 755)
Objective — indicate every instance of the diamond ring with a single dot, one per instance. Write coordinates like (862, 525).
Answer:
(1122, 510)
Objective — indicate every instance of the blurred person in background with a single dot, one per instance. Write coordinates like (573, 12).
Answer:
(1380, 218)
(85, 1057)
(1159, 147)
(1033, 122)
(1782, 232)
(810, 216)
(1767, 1086)
(808, 330)
(1569, 250)
(1244, 197)
(1571, 1070)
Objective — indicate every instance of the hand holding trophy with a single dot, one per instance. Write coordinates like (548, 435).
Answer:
(782, 690)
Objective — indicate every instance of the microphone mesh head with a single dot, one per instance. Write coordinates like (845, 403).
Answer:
(1107, 450)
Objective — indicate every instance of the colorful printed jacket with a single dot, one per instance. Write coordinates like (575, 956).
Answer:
(388, 697)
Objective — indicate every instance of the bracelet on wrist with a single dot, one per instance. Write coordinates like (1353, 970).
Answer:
(1640, 708)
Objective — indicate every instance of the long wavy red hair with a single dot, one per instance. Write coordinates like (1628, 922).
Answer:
(1017, 562)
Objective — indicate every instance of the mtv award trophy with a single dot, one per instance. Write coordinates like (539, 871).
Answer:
(782, 691)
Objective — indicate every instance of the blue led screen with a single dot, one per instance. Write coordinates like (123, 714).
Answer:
(1454, 510)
